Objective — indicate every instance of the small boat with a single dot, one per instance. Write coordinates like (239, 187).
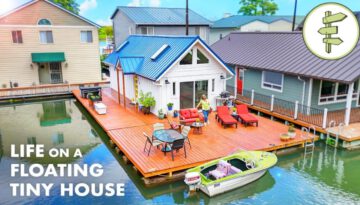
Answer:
(229, 172)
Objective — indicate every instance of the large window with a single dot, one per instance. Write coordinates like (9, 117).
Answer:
(187, 60)
(272, 81)
(331, 92)
(201, 58)
(86, 36)
(17, 37)
(46, 37)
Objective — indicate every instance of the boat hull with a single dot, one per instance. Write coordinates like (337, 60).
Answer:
(228, 185)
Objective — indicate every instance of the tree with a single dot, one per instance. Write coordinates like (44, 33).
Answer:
(258, 7)
(105, 31)
(70, 5)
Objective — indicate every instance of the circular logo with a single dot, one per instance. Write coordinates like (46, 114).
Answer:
(331, 31)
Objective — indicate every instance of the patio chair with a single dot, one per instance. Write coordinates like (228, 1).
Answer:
(224, 116)
(158, 126)
(245, 116)
(176, 146)
(152, 142)
(185, 132)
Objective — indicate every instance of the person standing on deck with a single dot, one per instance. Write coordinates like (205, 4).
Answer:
(204, 104)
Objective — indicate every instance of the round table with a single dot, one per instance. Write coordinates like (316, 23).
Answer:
(197, 127)
(167, 136)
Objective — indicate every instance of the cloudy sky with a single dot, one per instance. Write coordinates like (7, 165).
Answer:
(100, 10)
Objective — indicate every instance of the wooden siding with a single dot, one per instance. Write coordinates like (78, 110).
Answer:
(31, 14)
(82, 59)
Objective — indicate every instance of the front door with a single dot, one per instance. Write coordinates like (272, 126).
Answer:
(191, 92)
(240, 79)
(55, 73)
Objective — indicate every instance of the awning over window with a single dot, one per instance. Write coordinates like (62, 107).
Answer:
(48, 57)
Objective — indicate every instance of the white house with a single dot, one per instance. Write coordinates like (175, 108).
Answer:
(177, 69)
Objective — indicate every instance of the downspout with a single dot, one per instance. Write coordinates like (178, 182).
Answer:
(304, 88)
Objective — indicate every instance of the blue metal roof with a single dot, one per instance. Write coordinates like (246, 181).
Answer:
(163, 16)
(135, 56)
(237, 21)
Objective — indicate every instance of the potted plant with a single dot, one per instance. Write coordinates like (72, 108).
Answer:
(291, 131)
(146, 101)
(161, 114)
(170, 106)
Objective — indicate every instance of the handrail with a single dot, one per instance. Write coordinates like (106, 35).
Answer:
(52, 86)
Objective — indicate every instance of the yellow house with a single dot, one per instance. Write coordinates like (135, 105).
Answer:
(43, 43)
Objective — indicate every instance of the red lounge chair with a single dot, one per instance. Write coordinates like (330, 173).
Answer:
(223, 115)
(189, 116)
(245, 116)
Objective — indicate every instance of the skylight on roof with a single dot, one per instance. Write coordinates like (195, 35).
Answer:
(159, 52)
(121, 46)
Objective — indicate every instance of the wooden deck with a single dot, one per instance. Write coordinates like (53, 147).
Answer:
(126, 125)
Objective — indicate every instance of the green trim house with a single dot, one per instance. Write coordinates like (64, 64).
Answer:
(275, 69)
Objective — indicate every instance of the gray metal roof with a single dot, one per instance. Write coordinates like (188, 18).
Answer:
(285, 52)
(161, 16)
(236, 21)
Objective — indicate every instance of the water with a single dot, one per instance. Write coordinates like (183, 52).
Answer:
(326, 177)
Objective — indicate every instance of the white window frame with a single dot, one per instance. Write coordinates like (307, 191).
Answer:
(52, 34)
(335, 96)
(92, 36)
(272, 89)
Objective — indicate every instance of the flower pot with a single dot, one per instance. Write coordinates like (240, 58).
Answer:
(146, 110)
(161, 116)
(176, 114)
(292, 134)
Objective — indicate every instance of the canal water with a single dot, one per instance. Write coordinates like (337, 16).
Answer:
(327, 176)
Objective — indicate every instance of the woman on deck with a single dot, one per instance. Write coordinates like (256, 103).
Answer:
(204, 104)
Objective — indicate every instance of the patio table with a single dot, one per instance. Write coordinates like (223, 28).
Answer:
(167, 136)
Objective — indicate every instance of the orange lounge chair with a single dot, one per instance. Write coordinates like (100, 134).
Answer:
(223, 115)
(245, 116)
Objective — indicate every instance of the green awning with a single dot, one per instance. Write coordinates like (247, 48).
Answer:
(48, 57)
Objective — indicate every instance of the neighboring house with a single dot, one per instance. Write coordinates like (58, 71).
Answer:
(157, 21)
(43, 43)
(224, 26)
(279, 64)
(177, 69)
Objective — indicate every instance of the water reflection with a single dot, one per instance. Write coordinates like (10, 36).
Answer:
(55, 113)
(326, 176)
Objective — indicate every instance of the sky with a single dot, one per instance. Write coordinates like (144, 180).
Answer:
(100, 11)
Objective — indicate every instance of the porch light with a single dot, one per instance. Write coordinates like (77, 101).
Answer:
(167, 82)
(222, 77)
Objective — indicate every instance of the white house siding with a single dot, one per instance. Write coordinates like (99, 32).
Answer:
(129, 83)
(281, 25)
(255, 26)
(156, 90)
(188, 73)
(216, 33)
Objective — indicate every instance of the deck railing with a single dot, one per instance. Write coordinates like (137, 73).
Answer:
(294, 110)
(41, 90)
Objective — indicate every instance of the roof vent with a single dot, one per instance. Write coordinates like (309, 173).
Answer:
(159, 52)
(122, 46)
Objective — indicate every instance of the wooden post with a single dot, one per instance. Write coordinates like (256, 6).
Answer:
(124, 96)
(325, 118)
(349, 104)
(252, 96)
(272, 103)
(296, 110)
(118, 84)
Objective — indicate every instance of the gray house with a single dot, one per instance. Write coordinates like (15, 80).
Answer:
(226, 25)
(276, 72)
(157, 21)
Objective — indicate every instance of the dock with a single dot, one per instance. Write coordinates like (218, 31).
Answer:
(125, 127)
